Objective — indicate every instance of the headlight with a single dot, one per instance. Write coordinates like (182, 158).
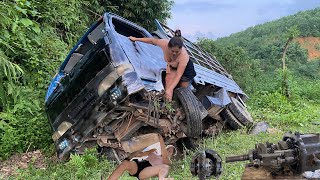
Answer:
(108, 81)
(63, 144)
(115, 93)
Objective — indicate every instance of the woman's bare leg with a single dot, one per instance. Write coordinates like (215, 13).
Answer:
(161, 171)
(129, 166)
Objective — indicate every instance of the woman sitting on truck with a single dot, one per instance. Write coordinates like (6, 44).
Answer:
(180, 70)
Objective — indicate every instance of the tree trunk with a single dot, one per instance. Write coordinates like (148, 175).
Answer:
(284, 54)
(285, 85)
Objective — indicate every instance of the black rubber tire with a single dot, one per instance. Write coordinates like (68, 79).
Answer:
(231, 119)
(240, 112)
(192, 110)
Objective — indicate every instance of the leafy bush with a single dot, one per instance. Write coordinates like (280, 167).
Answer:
(23, 124)
(310, 69)
(32, 53)
(309, 89)
(281, 112)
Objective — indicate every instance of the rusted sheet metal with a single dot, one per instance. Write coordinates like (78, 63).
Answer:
(140, 142)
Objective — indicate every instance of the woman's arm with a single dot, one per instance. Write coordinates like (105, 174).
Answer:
(176, 79)
(169, 90)
(164, 152)
(145, 40)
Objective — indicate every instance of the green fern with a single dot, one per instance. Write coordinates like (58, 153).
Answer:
(9, 69)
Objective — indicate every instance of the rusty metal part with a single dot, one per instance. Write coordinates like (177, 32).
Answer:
(116, 155)
(138, 143)
(104, 141)
(138, 106)
(162, 122)
(154, 110)
(297, 152)
(127, 128)
(114, 145)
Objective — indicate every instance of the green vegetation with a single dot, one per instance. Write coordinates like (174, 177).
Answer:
(36, 36)
(266, 41)
(143, 12)
(318, 47)
(79, 167)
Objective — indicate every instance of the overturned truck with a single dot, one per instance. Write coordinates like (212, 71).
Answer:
(110, 89)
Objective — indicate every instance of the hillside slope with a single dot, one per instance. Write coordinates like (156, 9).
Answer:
(312, 45)
(307, 22)
(253, 56)
(265, 42)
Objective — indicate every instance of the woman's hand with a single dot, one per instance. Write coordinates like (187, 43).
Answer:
(132, 38)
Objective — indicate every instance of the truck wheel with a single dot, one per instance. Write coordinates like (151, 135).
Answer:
(240, 112)
(231, 119)
(192, 110)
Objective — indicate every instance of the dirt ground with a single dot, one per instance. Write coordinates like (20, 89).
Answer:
(312, 44)
(21, 161)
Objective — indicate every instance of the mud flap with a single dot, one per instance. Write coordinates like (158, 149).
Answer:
(215, 104)
(221, 99)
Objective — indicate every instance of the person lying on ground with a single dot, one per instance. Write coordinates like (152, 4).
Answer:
(154, 165)
(180, 70)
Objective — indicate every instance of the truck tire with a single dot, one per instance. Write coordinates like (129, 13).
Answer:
(231, 119)
(192, 110)
(240, 112)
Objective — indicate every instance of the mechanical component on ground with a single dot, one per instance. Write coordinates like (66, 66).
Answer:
(205, 164)
(295, 152)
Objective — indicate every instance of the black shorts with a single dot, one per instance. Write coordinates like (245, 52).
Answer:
(141, 165)
(189, 72)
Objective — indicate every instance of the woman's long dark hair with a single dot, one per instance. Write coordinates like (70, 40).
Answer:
(176, 40)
